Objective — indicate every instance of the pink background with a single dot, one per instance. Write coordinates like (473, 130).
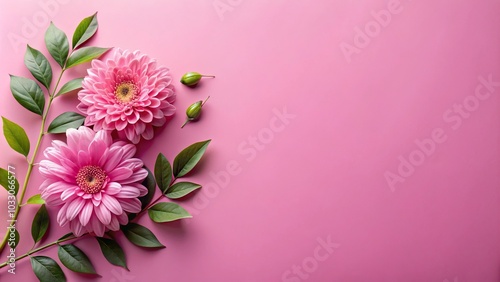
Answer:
(321, 176)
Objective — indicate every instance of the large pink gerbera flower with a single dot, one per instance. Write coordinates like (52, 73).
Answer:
(95, 180)
(129, 93)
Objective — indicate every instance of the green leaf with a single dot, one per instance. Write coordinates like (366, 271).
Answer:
(67, 235)
(166, 212)
(149, 183)
(16, 137)
(64, 121)
(85, 30)
(27, 93)
(8, 183)
(57, 44)
(163, 173)
(187, 159)
(181, 189)
(39, 66)
(74, 259)
(141, 236)
(85, 54)
(47, 269)
(36, 200)
(112, 252)
(40, 224)
(71, 85)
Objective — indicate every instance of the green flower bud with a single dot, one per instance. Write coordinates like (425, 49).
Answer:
(193, 112)
(192, 78)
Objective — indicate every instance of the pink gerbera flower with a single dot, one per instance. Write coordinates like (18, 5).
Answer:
(128, 92)
(95, 180)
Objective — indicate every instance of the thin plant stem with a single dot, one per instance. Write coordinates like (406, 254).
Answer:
(31, 162)
(78, 238)
(29, 253)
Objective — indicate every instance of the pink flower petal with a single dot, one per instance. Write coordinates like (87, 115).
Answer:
(128, 151)
(74, 208)
(83, 158)
(142, 189)
(139, 128)
(146, 116)
(61, 215)
(131, 205)
(113, 188)
(86, 213)
(130, 133)
(120, 173)
(59, 187)
(97, 196)
(103, 214)
(97, 148)
(97, 226)
(112, 204)
(54, 171)
(114, 225)
(76, 227)
(138, 176)
(113, 159)
(122, 219)
(53, 200)
(120, 124)
(128, 192)
(68, 193)
(148, 134)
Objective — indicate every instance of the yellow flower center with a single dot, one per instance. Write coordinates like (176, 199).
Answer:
(125, 92)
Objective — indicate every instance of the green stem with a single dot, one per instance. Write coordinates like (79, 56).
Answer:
(31, 162)
(40, 249)
(205, 101)
(186, 122)
(155, 200)
(78, 238)
(72, 237)
(148, 206)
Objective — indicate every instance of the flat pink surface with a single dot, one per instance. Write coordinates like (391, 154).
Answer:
(364, 100)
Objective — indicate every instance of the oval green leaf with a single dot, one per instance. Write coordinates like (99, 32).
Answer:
(35, 200)
(166, 212)
(74, 259)
(71, 85)
(28, 93)
(141, 236)
(8, 181)
(65, 121)
(187, 159)
(57, 44)
(40, 224)
(85, 54)
(112, 252)
(65, 236)
(181, 189)
(39, 66)
(163, 172)
(85, 30)
(47, 269)
(16, 137)
(150, 184)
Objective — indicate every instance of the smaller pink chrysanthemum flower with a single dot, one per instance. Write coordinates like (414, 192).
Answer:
(95, 181)
(129, 93)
